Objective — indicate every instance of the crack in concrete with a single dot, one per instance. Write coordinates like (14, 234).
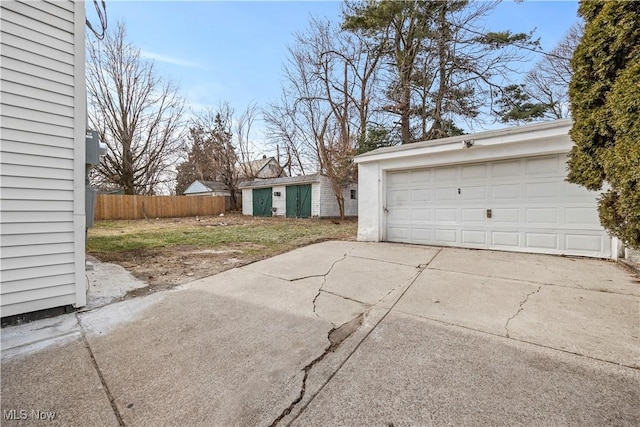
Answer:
(336, 336)
(94, 362)
(421, 268)
(520, 309)
(324, 280)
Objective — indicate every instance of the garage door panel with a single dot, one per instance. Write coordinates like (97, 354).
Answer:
(446, 235)
(532, 208)
(423, 176)
(478, 192)
(581, 216)
(446, 174)
(422, 235)
(399, 197)
(542, 216)
(399, 215)
(542, 190)
(420, 194)
(446, 214)
(505, 169)
(474, 237)
(421, 215)
(506, 192)
(395, 179)
(535, 240)
(584, 242)
(449, 193)
(398, 233)
(509, 239)
(473, 215)
(505, 215)
(543, 165)
(478, 171)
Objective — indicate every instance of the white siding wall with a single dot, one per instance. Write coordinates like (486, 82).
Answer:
(279, 202)
(350, 205)
(43, 113)
(316, 194)
(329, 204)
(247, 201)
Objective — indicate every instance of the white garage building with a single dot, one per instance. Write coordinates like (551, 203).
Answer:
(502, 189)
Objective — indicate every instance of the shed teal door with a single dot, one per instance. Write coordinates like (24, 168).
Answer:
(262, 202)
(299, 201)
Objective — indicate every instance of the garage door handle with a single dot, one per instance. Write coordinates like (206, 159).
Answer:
(384, 208)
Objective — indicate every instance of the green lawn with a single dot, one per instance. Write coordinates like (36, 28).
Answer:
(256, 237)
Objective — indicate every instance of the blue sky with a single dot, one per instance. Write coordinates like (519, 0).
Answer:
(234, 50)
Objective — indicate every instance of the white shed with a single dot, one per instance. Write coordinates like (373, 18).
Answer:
(42, 162)
(502, 189)
(296, 197)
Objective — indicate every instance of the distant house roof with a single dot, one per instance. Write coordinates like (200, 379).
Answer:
(267, 167)
(198, 187)
(262, 183)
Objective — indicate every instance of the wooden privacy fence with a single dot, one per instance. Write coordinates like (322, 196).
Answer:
(109, 206)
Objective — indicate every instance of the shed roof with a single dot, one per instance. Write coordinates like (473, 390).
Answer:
(287, 180)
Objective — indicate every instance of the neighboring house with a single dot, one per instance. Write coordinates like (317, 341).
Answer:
(209, 188)
(267, 167)
(296, 197)
(504, 189)
(42, 162)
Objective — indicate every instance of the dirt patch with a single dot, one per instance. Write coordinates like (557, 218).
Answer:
(166, 267)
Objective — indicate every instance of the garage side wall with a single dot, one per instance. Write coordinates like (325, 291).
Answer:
(369, 202)
(43, 112)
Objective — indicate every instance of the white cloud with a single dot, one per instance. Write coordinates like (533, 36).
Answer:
(168, 59)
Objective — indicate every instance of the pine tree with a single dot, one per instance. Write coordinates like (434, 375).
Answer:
(605, 105)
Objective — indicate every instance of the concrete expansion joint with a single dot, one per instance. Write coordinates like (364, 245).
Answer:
(324, 291)
(94, 362)
(342, 328)
(336, 336)
(324, 280)
(520, 308)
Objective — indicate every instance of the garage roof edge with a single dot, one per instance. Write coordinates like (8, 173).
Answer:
(424, 146)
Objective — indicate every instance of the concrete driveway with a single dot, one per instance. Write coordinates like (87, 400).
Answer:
(346, 333)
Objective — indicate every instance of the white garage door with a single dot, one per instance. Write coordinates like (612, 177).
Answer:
(519, 205)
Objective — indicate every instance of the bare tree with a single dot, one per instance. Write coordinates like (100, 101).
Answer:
(244, 146)
(544, 91)
(325, 105)
(548, 82)
(211, 154)
(136, 113)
